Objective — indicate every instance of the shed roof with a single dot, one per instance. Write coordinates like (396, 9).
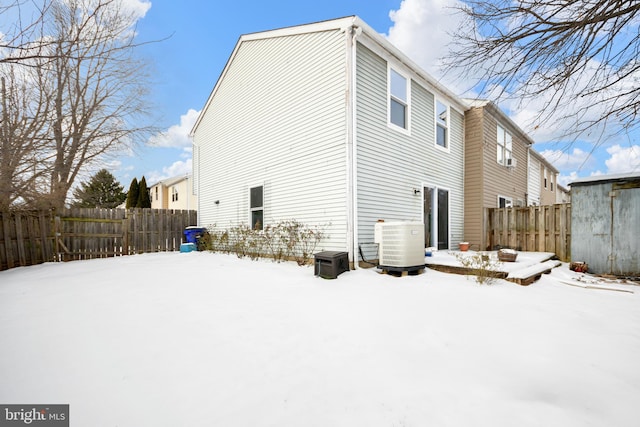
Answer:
(600, 179)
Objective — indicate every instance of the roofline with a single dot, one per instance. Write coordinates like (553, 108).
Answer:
(172, 180)
(600, 179)
(408, 62)
(343, 24)
(490, 105)
(541, 158)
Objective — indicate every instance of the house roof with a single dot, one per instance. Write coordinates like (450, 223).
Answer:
(344, 23)
(600, 179)
(542, 159)
(493, 108)
(172, 181)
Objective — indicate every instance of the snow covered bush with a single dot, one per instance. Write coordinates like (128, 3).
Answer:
(286, 240)
(482, 265)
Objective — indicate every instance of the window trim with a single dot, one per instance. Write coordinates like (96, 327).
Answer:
(447, 127)
(255, 209)
(406, 103)
(506, 199)
(501, 148)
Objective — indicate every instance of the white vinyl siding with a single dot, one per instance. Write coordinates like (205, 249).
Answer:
(278, 116)
(533, 184)
(391, 164)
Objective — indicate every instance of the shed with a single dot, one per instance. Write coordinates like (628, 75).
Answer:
(605, 223)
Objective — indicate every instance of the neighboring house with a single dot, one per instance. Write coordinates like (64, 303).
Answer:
(605, 219)
(543, 181)
(563, 195)
(173, 193)
(496, 167)
(330, 124)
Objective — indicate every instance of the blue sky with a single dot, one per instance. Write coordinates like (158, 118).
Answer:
(202, 35)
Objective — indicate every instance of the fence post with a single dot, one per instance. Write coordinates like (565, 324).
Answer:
(6, 231)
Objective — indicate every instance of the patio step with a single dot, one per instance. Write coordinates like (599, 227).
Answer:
(528, 275)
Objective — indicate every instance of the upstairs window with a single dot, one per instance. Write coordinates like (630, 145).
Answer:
(545, 178)
(174, 194)
(398, 99)
(256, 207)
(442, 125)
(505, 147)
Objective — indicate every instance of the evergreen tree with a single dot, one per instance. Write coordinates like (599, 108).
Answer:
(101, 191)
(144, 201)
(132, 195)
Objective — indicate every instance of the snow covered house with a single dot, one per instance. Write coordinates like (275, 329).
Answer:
(329, 124)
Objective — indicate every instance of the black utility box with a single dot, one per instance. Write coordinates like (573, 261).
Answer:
(329, 264)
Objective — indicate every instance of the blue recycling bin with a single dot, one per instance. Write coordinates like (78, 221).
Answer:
(191, 234)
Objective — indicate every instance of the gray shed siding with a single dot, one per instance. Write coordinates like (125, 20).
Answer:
(391, 164)
(605, 223)
(278, 118)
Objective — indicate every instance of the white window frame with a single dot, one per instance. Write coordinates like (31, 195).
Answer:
(255, 208)
(406, 102)
(501, 145)
(508, 201)
(447, 125)
(174, 194)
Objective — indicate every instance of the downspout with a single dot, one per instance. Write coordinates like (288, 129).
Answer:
(196, 165)
(352, 177)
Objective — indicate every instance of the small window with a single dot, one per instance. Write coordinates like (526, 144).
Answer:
(174, 194)
(156, 193)
(442, 125)
(505, 202)
(398, 99)
(256, 207)
(504, 146)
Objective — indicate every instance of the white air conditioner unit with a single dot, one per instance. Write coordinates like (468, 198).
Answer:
(400, 244)
(511, 163)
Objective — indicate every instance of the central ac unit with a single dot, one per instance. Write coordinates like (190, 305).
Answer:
(400, 244)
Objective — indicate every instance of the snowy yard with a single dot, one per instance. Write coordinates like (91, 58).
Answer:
(201, 339)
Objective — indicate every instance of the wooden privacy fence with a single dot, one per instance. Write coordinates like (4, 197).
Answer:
(34, 237)
(533, 228)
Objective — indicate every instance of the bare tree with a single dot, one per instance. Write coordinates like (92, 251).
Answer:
(25, 20)
(21, 139)
(90, 91)
(576, 60)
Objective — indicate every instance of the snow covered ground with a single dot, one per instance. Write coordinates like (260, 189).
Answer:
(201, 339)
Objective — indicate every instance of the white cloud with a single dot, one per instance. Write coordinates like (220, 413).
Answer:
(176, 135)
(623, 160)
(422, 29)
(565, 159)
(565, 180)
(137, 8)
(177, 168)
